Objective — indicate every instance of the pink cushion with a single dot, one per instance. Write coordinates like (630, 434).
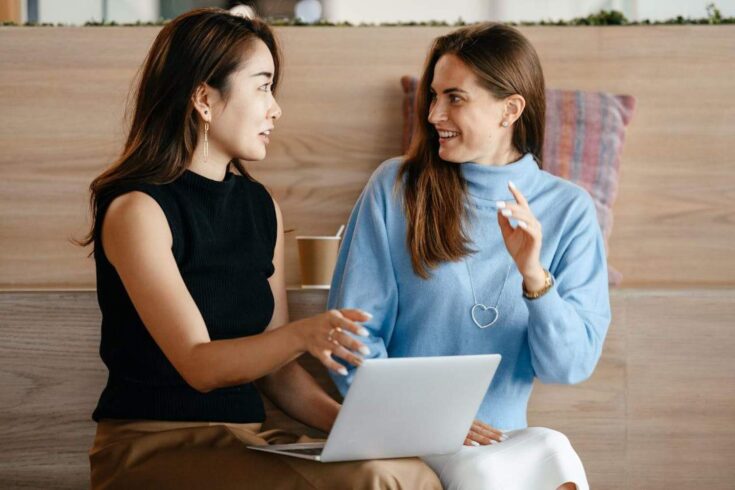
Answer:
(583, 141)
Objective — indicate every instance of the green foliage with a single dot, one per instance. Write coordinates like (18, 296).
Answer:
(601, 18)
(713, 14)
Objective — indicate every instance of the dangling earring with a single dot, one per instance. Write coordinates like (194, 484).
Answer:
(206, 141)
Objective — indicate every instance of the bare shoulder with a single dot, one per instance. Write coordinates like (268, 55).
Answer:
(134, 220)
(279, 215)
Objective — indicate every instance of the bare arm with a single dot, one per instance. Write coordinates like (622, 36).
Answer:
(137, 241)
(291, 387)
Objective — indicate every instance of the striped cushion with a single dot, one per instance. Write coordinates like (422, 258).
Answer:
(583, 140)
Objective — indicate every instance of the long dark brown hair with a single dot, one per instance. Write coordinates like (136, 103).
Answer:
(506, 63)
(201, 46)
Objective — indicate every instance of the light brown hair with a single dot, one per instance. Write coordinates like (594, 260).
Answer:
(201, 46)
(505, 63)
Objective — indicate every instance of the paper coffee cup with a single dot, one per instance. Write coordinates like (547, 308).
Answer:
(317, 258)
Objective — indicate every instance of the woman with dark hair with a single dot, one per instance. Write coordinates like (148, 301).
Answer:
(190, 282)
(445, 248)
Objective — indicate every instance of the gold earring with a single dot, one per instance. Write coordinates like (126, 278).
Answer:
(206, 141)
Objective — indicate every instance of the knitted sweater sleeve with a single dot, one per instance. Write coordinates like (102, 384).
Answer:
(567, 325)
(364, 275)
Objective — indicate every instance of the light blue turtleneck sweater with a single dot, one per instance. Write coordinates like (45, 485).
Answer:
(556, 338)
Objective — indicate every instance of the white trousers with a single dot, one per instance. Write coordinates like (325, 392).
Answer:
(530, 459)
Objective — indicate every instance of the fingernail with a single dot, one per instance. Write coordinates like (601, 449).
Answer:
(342, 371)
(364, 350)
(493, 441)
(511, 184)
(507, 213)
(363, 332)
(367, 314)
(475, 443)
(503, 437)
(500, 204)
(523, 224)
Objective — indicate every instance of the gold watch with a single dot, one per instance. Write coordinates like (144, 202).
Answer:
(548, 282)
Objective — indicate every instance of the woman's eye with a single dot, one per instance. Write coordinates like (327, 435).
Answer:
(454, 99)
(266, 87)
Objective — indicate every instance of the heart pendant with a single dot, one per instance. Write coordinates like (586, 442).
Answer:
(484, 308)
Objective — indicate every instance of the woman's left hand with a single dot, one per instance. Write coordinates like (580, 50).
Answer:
(481, 434)
(524, 241)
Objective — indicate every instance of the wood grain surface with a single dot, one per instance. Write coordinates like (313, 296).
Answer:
(63, 93)
(658, 413)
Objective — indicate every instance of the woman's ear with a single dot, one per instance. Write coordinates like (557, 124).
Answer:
(514, 106)
(201, 100)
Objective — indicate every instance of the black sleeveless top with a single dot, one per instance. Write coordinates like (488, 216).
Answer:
(224, 235)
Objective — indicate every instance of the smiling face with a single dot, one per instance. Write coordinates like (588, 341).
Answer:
(240, 126)
(467, 118)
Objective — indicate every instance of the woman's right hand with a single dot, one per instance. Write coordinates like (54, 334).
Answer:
(325, 335)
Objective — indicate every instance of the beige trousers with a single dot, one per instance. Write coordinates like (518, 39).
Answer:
(140, 454)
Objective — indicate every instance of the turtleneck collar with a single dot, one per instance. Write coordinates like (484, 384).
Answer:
(217, 186)
(490, 182)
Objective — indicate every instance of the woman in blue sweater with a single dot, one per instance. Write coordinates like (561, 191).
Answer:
(466, 246)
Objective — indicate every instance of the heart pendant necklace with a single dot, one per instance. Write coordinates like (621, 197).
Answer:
(479, 308)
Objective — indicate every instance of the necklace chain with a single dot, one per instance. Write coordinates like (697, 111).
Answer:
(477, 305)
(472, 287)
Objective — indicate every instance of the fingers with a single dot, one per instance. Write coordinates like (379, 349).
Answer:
(340, 325)
(481, 434)
(351, 343)
(356, 315)
(518, 212)
(485, 430)
(348, 356)
(326, 359)
(505, 228)
(338, 320)
(336, 340)
(486, 426)
(483, 439)
(520, 198)
(523, 215)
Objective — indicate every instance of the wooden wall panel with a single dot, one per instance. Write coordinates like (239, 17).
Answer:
(680, 395)
(62, 91)
(593, 414)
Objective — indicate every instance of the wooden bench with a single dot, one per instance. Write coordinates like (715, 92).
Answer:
(632, 423)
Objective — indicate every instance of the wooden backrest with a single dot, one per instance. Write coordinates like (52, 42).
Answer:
(64, 90)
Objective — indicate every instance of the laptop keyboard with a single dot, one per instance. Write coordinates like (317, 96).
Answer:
(311, 451)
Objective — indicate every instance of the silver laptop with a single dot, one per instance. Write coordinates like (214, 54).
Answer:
(403, 407)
